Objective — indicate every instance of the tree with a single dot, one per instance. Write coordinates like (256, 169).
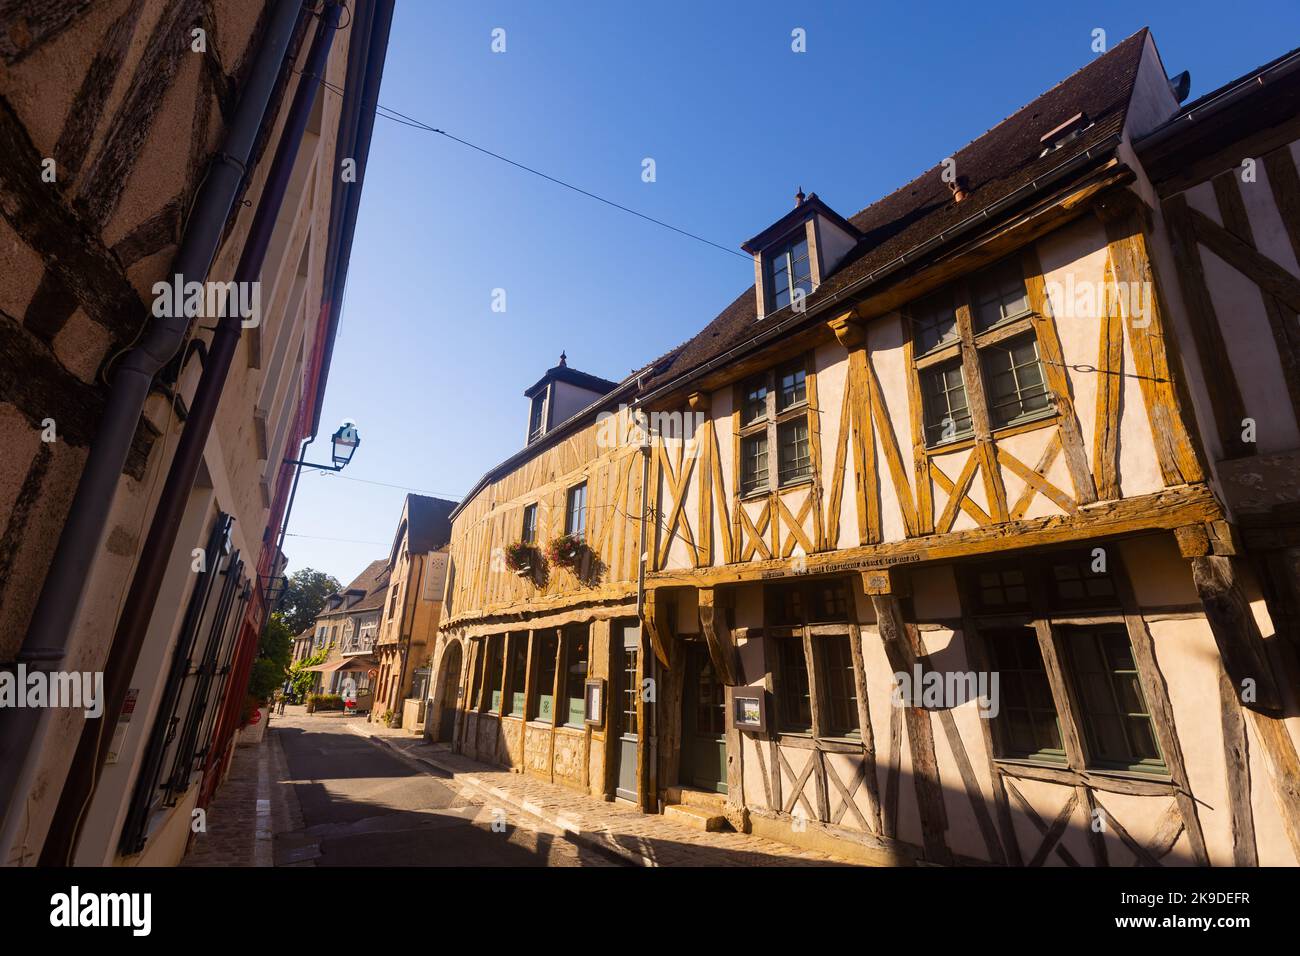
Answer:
(304, 597)
(274, 652)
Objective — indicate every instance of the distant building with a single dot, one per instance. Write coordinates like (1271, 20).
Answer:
(417, 574)
(348, 625)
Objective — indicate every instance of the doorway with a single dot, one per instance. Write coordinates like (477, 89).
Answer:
(450, 693)
(626, 672)
(704, 728)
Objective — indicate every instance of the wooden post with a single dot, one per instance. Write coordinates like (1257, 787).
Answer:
(1245, 659)
(1236, 633)
(722, 647)
(902, 648)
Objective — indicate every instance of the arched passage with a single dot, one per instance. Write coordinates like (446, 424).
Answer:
(448, 687)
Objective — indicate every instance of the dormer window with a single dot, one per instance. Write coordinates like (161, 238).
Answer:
(798, 251)
(789, 268)
(559, 395)
(537, 417)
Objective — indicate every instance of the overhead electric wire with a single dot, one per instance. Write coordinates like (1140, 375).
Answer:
(402, 119)
(385, 484)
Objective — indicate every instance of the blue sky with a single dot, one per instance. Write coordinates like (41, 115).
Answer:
(735, 122)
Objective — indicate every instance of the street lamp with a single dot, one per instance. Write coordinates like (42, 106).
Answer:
(345, 442)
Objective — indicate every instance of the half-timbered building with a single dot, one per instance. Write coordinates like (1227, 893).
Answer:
(968, 533)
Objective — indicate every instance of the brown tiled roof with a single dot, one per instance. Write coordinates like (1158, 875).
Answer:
(373, 578)
(992, 167)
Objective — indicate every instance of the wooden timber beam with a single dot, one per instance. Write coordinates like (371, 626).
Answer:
(654, 616)
(1245, 658)
(1155, 356)
(1235, 631)
(1163, 510)
(883, 582)
(722, 646)
(902, 649)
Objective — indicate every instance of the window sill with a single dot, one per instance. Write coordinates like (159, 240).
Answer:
(794, 483)
(1045, 762)
(1027, 423)
(1129, 773)
(1070, 776)
(956, 443)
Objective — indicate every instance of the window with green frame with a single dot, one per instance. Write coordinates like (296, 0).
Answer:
(1027, 724)
(835, 658)
(796, 701)
(576, 653)
(516, 673)
(1118, 728)
(998, 343)
(543, 703)
(493, 672)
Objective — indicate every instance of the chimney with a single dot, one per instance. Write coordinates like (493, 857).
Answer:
(958, 188)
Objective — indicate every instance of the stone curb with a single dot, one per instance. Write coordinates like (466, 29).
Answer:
(601, 842)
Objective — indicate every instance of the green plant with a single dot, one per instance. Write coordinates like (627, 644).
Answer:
(519, 556)
(391, 718)
(324, 702)
(274, 653)
(301, 679)
(566, 551)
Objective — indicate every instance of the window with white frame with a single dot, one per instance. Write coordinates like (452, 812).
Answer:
(575, 511)
(974, 344)
(774, 415)
(789, 267)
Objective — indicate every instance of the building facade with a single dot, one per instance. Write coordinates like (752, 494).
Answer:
(148, 146)
(967, 534)
(348, 625)
(417, 574)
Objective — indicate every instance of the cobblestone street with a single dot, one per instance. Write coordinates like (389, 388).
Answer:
(335, 791)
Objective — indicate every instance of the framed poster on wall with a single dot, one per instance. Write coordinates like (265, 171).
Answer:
(594, 702)
(747, 709)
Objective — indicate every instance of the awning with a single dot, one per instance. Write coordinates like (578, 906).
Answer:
(346, 664)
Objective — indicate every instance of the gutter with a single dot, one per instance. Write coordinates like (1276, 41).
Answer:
(336, 269)
(46, 644)
(910, 257)
(1218, 102)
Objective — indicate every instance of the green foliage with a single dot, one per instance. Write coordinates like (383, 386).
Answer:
(304, 597)
(301, 679)
(274, 652)
(324, 702)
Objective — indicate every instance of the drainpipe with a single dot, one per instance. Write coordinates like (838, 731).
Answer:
(79, 543)
(139, 606)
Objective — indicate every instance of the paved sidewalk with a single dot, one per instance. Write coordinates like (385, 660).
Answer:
(635, 837)
(247, 810)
